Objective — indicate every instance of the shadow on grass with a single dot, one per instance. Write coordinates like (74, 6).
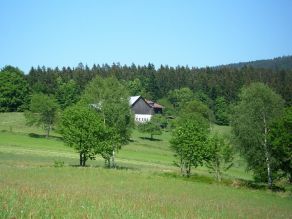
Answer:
(34, 135)
(104, 167)
(237, 183)
(121, 168)
(193, 178)
(150, 139)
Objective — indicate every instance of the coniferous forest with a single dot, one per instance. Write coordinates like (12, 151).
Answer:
(156, 83)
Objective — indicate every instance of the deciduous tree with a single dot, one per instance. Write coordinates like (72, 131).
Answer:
(14, 90)
(152, 127)
(220, 156)
(180, 96)
(253, 116)
(196, 107)
(84, 130)
(189, 142)
(111, 100)
(221, 111)
(43, 111)
(281, 143)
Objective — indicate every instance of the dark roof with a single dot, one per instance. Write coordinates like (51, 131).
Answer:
(154, 105)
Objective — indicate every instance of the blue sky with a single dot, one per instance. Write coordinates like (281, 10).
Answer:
(179, 32)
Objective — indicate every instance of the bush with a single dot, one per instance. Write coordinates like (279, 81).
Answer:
(58, 163)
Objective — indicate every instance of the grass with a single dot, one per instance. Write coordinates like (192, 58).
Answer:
(15, 122)
(46, 192)
(146, 185)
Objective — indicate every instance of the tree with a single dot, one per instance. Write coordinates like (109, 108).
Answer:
(161, 120)
(14, 90)
(152, 127)
(135, 87)
(43, 111)
(111, 100)
(180, 96)
(196, 107)
(83, 129)
(281, 143)
(189, 142)
(204, 98)
(253, 116)
(220, 156)
(221, 111)
(67, 93)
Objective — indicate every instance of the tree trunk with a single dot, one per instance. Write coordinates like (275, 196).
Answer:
(290, 178)
(80, 158)
(218, 174)
(270, 180)
(48, 131)
(188, 169)
(84, 160)
(109, 162)
(113, 160)
(181, 166)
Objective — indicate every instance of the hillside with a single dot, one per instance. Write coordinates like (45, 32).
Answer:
(279, 63)
(139, 154)
(146, 184)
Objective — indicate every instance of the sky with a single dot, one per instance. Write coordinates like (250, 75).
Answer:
(198, 33)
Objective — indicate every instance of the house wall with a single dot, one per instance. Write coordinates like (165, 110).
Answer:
(141, 107)
(141, 118)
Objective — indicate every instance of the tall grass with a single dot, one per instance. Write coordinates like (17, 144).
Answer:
(100, 193)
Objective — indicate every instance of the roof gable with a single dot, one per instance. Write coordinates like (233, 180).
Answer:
(133, 99)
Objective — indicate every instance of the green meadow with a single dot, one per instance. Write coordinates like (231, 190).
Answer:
(146, 184)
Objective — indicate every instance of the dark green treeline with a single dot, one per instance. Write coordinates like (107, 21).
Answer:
(156, 83)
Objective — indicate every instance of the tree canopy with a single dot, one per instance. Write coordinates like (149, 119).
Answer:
(83, 129)
(152, 127)
(14, 90)
(256, 111)
(220, 156)
(67, 93)
(281, 143)
(43, 111)
(111, 100)
(190, 144)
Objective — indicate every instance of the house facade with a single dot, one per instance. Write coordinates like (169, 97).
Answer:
(144, 109)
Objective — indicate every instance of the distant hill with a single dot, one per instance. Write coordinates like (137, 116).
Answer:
(280, 63)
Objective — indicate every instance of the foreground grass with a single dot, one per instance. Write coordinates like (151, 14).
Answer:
(46, 192)
(30, 187)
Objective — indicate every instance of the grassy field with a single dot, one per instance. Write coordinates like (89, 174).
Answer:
(145, 186)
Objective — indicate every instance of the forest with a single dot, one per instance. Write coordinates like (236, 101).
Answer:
(157, 83)
(279, 63)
